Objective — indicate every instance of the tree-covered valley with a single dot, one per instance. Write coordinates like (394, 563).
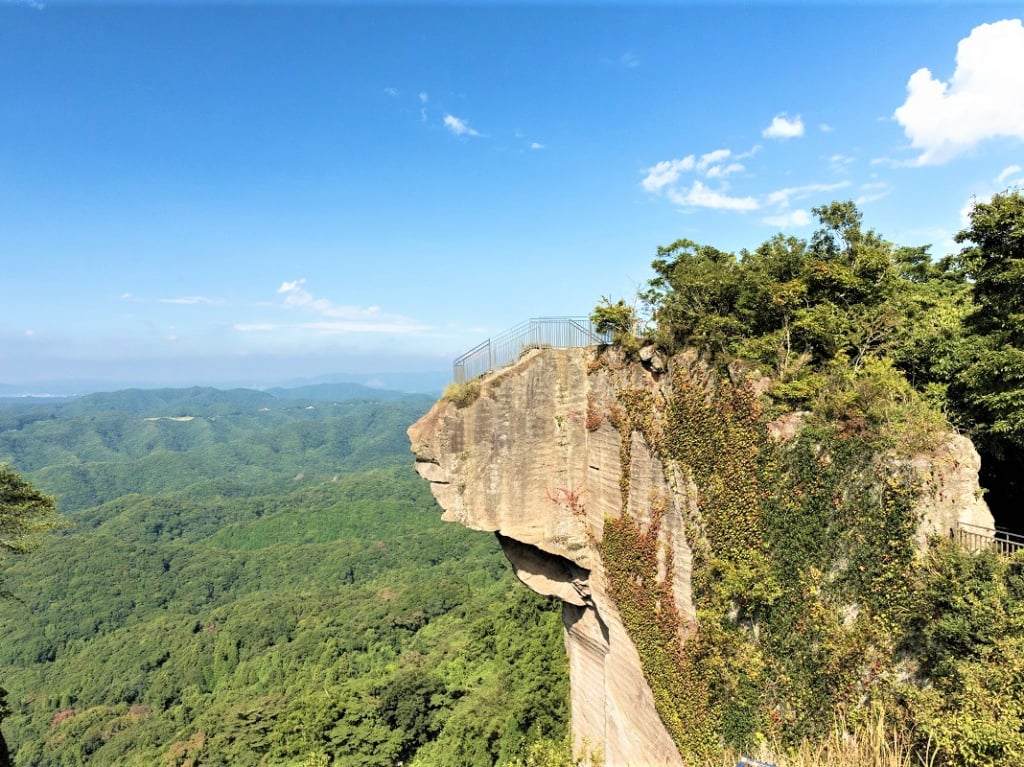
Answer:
(251, 579)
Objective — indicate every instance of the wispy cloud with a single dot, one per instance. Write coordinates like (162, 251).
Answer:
(189, 300)
(398, 327)
(783, 197)
(174, 300)
(663, 179)
(784, 127)
(711, 158)
(459, 126)
(838, 162)
(536, 145)
(790, 219)
(721, 171)
(424, 98)
(983, 100)
(1008, 173)
(667, 172)
(336, 318)
(29, 3)
(711, 188)
(700, 196)
(629, 61)
(391, 92)
(872, 192)
(255, 327)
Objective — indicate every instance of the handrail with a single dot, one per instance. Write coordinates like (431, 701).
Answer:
(976, 538)
(535, 333)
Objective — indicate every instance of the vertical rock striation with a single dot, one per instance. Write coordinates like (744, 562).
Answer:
(537, 459)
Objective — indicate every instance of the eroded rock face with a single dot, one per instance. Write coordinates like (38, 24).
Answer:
(537, 460)
(950, 495)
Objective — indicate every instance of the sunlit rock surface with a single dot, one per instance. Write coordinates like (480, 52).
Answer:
(536, 459)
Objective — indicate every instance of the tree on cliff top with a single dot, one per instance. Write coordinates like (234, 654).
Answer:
(817, 315)
(989, 389)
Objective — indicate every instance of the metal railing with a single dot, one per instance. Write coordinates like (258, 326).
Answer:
(536, 333)
(976, 538)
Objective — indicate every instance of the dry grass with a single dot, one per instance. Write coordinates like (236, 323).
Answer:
(462, 394)
(872, 745)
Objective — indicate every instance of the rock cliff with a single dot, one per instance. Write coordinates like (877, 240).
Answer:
(537, 458)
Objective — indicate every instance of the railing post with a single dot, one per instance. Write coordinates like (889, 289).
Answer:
(505, 349)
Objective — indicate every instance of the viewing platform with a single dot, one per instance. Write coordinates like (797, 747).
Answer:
(536, 333)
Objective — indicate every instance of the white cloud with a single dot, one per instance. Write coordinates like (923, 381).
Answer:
(666, 172)
(984, 99)
(337, 318)
(783, 127)
(867, 197)
(536, 145)
(187, 300)
(339, 327)
(700, 196)
(838, 162)
(721, 171)
(391, 91)
(296, 296)
(783, 197)
(825, 128)
(424, 97)
(459, 127)
(793, 218)
(1008, 173)
(712, 158)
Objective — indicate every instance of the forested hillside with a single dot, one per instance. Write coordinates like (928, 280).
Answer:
(255, 579)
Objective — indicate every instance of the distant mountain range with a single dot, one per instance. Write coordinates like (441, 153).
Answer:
(387, 387)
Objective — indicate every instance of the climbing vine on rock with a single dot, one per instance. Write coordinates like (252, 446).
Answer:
(802, 555)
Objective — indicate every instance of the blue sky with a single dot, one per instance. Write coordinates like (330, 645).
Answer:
(257, 193)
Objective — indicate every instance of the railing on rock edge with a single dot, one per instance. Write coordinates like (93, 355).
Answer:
(977, 538)
(536, 333)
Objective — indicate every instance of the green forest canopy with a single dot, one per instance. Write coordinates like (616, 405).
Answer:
(253, 580)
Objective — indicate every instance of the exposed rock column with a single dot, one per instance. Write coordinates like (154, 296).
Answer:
(536, 460)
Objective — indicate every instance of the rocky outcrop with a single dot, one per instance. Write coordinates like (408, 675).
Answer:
(537, 459)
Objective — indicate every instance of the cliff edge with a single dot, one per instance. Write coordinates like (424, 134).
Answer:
(543, 458)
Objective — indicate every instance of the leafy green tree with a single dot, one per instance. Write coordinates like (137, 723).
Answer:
(616, 320)
(986, 377)
(695, 295)
(989, 390)
(25, 513)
